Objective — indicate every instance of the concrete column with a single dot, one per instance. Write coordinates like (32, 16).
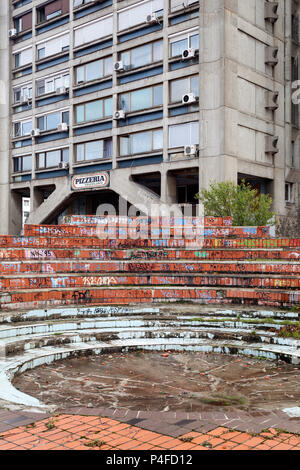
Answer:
(16, 213)
(168, 188)
(4, 118)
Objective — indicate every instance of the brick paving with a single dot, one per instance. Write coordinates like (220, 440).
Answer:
(85, 429)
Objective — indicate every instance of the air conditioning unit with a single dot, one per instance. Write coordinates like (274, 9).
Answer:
(63, 165)
(153, 18)
(24, 99)
(271, 100)
(62, 90)
(35, 132)
(271, 11)
(12, 33)
(271, 142)
(189, 98)
(188, 53)
(120, 114)
(190, 150)
(271, 55)
(119, 66)
(62, 126)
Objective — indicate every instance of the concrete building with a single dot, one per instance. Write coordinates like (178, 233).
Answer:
(148, 100)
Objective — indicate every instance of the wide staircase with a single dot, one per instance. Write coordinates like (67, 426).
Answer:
(96, 285)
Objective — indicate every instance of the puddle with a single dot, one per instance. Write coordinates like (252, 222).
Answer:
(159, 381)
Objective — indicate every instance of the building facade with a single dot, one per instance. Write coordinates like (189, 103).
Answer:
(150, 99)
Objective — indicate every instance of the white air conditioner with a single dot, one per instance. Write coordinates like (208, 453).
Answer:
(188, 98)
(63, 165)
(152, 18)
(24, 99)
(120, 114)
(190, 150)
(12, 33)
(188, 53)
(35, 132)
(62, 90)
(62, 126)
(119, 66)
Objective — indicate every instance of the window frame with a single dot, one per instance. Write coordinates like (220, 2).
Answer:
(50, 78)
(21, 123)
(103, 59)
(20, 158)
(181, 36)
(129, 93)
(44, 116)
(130, 153)
(129, 67)
(102, 101)
(85, 160)
(45, 152)
(185, 91)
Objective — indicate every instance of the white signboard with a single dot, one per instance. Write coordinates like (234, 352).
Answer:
(94, 181)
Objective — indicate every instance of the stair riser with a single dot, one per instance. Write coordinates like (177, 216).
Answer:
(33, 254)
(69, 242)
(125, 221)
(99, 231)
(94, 281)
(129, 295)
(21, 346)
(147, 267)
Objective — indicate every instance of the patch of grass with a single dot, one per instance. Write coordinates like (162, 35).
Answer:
(186, 439)
(50, 424)
(207, 444)
(95, 443)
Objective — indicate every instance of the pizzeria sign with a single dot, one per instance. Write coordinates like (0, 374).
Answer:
(98, 180)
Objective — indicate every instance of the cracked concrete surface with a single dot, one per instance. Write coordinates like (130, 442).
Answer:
(165, 381)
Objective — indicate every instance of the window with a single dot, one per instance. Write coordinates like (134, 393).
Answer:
(23, 22)
(94, 150)
(50, 121)
(50, 84)
(22, 93)
(137, 13)
(52, 10)
(93, 110)
(187, 40)
(176, 5)
(22, 128)
(51, 158)
(23, 58)
(141, 142)
(180, 87)
(184, 134)
(94, 70)
(141, 99)
(53, 46)
(142, 55)
(23, 163)
(93, 31)
(288, 192)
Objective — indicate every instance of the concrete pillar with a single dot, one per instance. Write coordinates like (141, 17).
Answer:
(16, 213)
(168, 193)
(4, 117)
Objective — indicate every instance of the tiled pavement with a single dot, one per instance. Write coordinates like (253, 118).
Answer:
(90, 429)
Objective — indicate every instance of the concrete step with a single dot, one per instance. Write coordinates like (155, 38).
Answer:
(143, 254)
(70, 242)
(150, 267)
(13, 283)
(112, 232)
(164, 311)
(129, 295)
(142, 220)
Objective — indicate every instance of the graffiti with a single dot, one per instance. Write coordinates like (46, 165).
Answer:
(81, 296)
(37, 254)
(99, 281)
